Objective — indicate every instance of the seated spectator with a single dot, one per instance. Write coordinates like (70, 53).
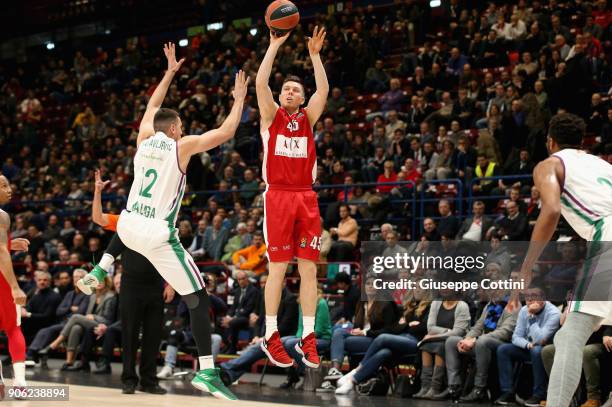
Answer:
(476, 227)
(455, 63)
(446, 318)
(536, 324)
(196, 249)
(101, 309)
(215, 238)
(513, 226)
(393, 124)
(346, 235)
(376, 78)
(239, 241)
(527, 64)
(403, 340)
(493, 328)
(430, 231)
(249, 186)
(287, 323)
(448, 223)
(523, 166)
(445, 163)
(110, 335)
(63, 284)
(252, 259)
(597, 345)
(351, 296)
(464, 109)
(372, 318)
(429, 159)
(74, 302)
(388, 175)
(41, 306)
(323, 333)
(243, 301)
(486, 168)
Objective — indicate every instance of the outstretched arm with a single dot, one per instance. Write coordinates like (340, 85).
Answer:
(545, 176)
(97, 215)
(265, 100)
(6, 266)
(317, 102)
(191, 145)
(146, 125)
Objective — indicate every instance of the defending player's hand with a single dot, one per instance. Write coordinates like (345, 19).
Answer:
(18, 296)
(170, 51)
(315, 43)
(20, 244)
(100, 185)
(278, 40)
(241, 86)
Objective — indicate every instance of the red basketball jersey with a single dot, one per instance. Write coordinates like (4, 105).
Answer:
(290, 158)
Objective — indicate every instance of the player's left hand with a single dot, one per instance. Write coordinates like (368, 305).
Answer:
(20, 245)
(170, 51)
(241, 85)
(315, 43)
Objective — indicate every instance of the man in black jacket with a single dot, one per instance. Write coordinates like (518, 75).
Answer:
(74, 302)
(513, 226)
(243, 301)
(42, 302)
(448, 224)
(287, 325)
(351, 294)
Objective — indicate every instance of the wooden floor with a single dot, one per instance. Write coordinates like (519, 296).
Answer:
(85, 396)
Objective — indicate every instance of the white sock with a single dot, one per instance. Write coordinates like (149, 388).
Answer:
(270, 326)
(106, 262)
(206, 362)
(19, 374)
(309, 323)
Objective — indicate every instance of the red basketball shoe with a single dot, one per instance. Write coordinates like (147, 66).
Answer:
(275, 351)
(307, 347)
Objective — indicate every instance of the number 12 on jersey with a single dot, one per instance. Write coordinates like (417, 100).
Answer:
(146, 192)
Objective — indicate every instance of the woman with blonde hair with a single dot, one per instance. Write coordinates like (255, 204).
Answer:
(101, 309)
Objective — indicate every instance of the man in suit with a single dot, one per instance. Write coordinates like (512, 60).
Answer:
(243, 301)
(448, 222)
(513, 226)
(476, 227)
(42, 303)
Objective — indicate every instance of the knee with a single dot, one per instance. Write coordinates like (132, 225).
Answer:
(536, 352)
(548, 352)
(502, 351)
(590, 352)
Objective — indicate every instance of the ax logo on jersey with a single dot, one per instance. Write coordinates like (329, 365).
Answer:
(292, 147)
(303, 243)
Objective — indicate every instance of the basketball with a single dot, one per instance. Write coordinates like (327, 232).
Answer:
(282, 16)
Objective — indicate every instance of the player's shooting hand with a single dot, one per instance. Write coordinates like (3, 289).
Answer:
(20, 244)
(170, 51)
(241, 85)
(100, 185)
(19, 297)
(278, 39)
(315, 43)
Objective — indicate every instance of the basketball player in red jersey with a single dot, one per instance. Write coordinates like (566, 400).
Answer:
(292, 224)
(11, 296)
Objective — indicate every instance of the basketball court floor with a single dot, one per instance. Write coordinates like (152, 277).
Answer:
(87, 389)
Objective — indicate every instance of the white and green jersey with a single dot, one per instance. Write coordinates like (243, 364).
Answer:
(586, 195)
(159, 183)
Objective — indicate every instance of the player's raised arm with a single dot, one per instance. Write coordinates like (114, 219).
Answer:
(318, 100)
(546, 179)
(97, 215)
(191, 145)
(265, 100)
(146, 125)
(6, 266)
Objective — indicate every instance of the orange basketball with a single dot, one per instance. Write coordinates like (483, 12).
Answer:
(282, 16)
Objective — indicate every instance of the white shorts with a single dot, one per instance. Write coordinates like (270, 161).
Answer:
(598, 269)
(159, 243)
